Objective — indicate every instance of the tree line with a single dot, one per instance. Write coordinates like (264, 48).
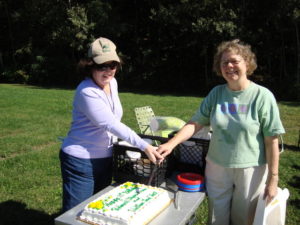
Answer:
(166, 45)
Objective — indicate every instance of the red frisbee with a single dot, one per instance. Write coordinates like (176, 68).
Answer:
(190, 178)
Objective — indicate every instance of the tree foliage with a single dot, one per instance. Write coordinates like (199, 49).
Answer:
(166, 45)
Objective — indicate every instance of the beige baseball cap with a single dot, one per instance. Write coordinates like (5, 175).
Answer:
(103, 50)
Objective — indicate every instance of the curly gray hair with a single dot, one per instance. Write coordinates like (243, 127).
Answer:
(237, 47)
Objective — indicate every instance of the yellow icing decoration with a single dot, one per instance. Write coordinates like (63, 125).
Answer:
(98, 204)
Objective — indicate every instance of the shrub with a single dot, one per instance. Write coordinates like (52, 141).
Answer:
(14, 76)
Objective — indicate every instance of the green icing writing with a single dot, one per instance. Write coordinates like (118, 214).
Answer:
(137, 206)
(153, 193)
(113, 201)
(120, 206)
(135, 200)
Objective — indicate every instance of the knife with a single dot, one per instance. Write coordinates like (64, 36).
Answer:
(153, 173)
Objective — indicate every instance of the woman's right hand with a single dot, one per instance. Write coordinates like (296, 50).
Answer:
(153, 154)
(183, 134)
(165, 149)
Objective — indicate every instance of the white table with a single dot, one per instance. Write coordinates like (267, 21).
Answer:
(188, 202)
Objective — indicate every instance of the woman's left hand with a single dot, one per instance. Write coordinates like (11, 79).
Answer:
(153, 155)
(271, 188)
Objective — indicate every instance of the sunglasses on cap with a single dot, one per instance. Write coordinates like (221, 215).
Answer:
(104, 66)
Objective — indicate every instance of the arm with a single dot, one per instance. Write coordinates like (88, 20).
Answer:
(101, 116)
(186, 132)
(272, 154)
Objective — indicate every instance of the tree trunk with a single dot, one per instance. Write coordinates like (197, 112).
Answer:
(298, 53)
(282, 74)
(10, 33)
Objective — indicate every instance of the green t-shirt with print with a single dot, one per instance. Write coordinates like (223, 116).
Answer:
(239, 121)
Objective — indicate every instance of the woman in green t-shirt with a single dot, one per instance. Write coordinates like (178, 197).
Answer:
(243, 156)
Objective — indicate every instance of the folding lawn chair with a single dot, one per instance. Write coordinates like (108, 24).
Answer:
(143, 116)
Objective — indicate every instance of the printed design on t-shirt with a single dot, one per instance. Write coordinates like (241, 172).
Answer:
(234, 108)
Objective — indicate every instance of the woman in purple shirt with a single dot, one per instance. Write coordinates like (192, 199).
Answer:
(86, 155)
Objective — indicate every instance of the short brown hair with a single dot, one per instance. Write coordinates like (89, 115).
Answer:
(239, 48)
(84, 68)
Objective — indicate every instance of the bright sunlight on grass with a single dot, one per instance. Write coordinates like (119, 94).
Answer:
(32, 119)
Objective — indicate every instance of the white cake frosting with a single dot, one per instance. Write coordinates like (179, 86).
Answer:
(128, 204)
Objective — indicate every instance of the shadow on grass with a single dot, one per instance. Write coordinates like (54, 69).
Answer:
(16, 213)
(296, 167)
(295, 203)
(295, 182)
(291, 147)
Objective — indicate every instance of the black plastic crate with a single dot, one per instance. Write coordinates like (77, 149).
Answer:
(190, 156)
(126, 168)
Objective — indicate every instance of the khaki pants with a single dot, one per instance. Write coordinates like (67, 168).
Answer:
(233, 193)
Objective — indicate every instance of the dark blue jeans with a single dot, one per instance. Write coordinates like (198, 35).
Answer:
(83, 177)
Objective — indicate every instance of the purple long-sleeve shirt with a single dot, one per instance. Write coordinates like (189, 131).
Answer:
(96, 118)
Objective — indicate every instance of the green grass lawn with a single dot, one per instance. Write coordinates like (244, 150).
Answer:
(32, 119)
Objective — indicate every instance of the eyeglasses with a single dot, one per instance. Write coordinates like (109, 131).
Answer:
(232, 62)
(106, 66)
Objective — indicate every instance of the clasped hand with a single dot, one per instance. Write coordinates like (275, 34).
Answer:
(153, 154)
(158, 154)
